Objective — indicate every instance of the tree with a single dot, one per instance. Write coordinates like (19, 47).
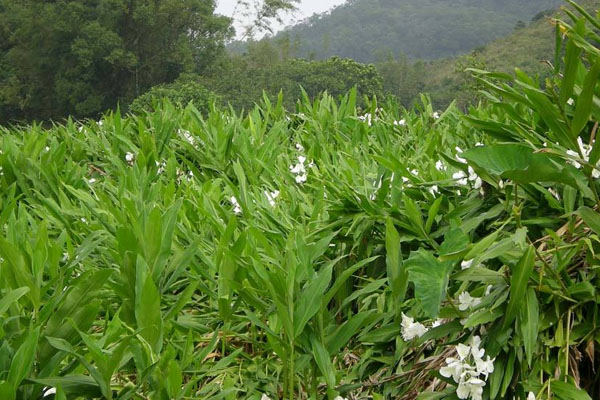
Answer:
(82, 57)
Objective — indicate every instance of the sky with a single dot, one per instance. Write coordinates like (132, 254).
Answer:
(306, 8)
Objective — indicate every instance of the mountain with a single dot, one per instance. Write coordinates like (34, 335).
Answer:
(369, 30)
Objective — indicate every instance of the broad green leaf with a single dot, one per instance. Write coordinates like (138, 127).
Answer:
(591, 218)
(396, 271)
(147, 307)
(568, 391)
(519, 163)
(518, 285)
(323, 360)
(310, 300)
(430, 277)
(11, 297)
(6, 391)
(584, 102)
(22, 363)
(529, 323)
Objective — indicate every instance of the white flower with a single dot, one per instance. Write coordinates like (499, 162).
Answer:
(472, 388)
(264, 397)
(46, 149)
(299, 147)
(411, 329)
(466, 301)
(466, 264)
(501, 184)
(478, 144)
(460, 177)
(236, 206)
(473, 177)
(340, 398)
(402, 122)
(48, 391)
(366, 118)
(459, 158)
(436, 115)
(300, 169)
(434, 190)
(271, 196)
(469, 370)
(531, 396)
(485, 367)
(439, 165)
(92, 180)
(570, 101)
(129, 157)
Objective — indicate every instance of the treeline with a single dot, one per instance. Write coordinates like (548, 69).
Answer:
(65, 57)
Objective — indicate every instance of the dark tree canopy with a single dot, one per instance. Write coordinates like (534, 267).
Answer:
(81, 57)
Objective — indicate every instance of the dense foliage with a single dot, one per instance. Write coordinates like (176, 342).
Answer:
(243, 80)
(367, 29)
(81, 58)
(402, 255)
(184, 90)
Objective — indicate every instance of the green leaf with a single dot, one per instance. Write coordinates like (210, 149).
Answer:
(529, 324)
(567, 391)
(311, 299)
(6, 391)
(147, 307)
(519, 163)
(11, 297)
(518, 285)
(591, 218)
(323, 360)
(583, 107)
(74, 386)
(396, 271)
(174, 379)
(430, 277)
(22, 363)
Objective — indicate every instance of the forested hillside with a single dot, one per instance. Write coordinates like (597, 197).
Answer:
(426, 29)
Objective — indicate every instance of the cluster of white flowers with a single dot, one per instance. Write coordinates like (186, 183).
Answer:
(467, 302)
(366, 118)
(585, 151)
(130, 158)
(412, 329)
(463, 179)
(271, 196)
(300, 169)
(470, 371)
(236, 205)
(401, 122)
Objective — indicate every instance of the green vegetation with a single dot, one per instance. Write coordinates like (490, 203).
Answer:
(366, 30)
(80, 58)
(315, 254)
(242, 80)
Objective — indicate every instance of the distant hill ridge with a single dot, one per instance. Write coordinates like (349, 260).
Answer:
(369, 30)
